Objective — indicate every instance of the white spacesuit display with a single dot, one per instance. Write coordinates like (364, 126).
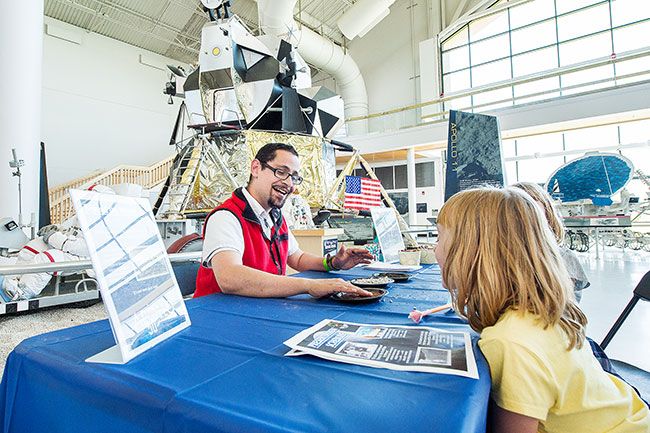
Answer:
(54, 244)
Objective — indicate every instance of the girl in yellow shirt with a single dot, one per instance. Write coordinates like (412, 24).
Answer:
(502, 265)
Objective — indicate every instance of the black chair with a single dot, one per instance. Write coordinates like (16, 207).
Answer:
(641, 291)
(186, 276)
(637, 377)
(186, 271)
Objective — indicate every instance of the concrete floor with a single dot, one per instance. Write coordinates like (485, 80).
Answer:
(613, 278)
(16, 328)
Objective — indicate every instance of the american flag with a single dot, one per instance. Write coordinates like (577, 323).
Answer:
(361, 193)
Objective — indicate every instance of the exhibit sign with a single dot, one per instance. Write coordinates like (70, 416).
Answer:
(473, 152)
(388, 233)
(140, 293)
(330, 246)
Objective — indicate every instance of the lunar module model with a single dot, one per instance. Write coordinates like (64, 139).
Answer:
(245, 92)
(594, 201)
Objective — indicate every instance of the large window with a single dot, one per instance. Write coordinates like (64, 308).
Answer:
(385, 175)
(542, 35)
(401, 177)
(395, 177)
(424, 174)
(534, 158)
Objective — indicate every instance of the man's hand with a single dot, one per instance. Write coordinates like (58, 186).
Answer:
(348, 258)
(324, 287)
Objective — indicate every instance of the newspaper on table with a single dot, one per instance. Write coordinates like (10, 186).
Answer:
(407, 348)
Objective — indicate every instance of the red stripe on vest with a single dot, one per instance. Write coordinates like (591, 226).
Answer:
(257, 249)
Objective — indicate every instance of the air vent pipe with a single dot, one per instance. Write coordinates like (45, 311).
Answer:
(276, 18)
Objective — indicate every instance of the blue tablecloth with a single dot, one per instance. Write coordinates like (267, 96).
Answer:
(227, 373)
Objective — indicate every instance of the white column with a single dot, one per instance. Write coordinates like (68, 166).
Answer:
(410, 181)
(21, 51)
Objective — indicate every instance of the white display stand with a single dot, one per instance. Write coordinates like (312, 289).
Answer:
(388, 233)
(142, 298)
(112, 355)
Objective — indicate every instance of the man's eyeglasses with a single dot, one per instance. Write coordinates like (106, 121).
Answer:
(283, 174)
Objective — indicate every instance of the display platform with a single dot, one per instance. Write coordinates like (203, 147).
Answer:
(228, 373)
(590, 221)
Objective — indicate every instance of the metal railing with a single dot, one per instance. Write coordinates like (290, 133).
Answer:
(81, 265)
(148, 177)
(411, 115)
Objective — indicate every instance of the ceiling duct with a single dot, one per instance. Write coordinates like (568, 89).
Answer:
(276, 18)
(363, 16)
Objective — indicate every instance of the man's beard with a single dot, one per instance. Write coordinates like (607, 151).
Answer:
(277, 203)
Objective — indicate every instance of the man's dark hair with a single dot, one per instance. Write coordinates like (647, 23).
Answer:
(268, 151)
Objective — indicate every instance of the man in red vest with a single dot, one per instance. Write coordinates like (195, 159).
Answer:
(247, 244)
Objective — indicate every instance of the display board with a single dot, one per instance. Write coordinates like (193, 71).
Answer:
(388, 233)
(473, 152)
(138, 287)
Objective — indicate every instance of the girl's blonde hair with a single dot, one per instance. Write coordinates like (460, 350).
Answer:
(501, 254)
(550, 211)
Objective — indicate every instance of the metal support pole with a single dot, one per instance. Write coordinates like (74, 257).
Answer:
(411, 184)
(80, 265)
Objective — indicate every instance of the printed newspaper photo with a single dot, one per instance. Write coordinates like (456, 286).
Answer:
(408, 348)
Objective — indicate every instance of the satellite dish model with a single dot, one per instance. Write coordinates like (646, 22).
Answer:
(586, 188)
(595, 176)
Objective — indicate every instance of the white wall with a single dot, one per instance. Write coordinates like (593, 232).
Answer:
(388, 58)
(390, 55)
(101, 106)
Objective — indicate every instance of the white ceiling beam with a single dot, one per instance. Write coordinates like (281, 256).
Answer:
(90, 25)
(160, 16)
(76, 5)
(459, 10)
(481, 5)
(472, 14)
(314, 24)
(143, 17)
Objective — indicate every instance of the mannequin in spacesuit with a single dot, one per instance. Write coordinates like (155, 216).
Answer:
(54, 243)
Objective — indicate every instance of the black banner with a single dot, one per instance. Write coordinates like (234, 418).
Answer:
(473, 152)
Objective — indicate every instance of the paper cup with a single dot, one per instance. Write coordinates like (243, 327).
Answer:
(409, 257)
(428, 256)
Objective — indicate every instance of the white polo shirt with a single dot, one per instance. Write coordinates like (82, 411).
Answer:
(224, 232)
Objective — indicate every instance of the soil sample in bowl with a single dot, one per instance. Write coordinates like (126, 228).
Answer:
(398, 277)
(372, 282)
